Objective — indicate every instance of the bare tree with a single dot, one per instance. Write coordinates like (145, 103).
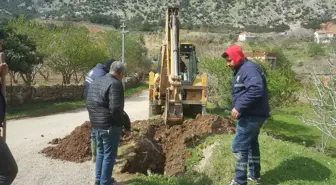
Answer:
(323, 99)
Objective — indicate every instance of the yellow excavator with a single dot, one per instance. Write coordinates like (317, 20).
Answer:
(177, 89)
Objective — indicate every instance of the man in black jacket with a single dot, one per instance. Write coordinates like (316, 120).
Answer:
(8, 166)
(96, 72)
(105, 104)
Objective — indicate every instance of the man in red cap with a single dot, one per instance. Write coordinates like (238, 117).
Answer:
(251, 108)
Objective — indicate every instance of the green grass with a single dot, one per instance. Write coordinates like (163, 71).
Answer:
(190, 178)
(43, 108)
(197, 151)
(283, 163)
(286, 126)
(133, 91)
(47, 108)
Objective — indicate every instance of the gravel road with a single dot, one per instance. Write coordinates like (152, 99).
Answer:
(27, 137)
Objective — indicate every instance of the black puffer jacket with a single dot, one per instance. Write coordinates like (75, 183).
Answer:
(105, 103)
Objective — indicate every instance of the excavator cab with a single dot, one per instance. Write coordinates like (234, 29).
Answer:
(190, 60)
(188, 64)
(177, 89)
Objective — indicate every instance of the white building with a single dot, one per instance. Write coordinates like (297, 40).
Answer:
(326, 34)
(245, 36)
(324, 37)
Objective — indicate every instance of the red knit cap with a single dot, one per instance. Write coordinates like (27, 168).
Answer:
(235, 52)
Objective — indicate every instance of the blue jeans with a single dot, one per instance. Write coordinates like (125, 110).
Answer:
(107, 150)
(246, 148)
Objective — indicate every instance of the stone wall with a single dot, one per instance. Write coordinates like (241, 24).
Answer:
(20, 94)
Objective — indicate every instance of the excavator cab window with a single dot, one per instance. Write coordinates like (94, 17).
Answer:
(188, 56)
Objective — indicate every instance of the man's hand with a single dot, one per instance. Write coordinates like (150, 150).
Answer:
(235, 113)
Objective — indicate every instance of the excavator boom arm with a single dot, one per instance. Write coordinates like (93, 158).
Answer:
(170, 69)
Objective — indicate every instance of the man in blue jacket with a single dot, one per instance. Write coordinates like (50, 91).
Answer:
(250, 106)
(98, 71)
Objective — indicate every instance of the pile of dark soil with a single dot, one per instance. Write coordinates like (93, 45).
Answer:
(158, 147)
(75, 147)
(162, 149)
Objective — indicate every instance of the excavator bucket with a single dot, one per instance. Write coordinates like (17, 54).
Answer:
(173, 114)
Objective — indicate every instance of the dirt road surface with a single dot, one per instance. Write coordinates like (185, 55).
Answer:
(27, 137)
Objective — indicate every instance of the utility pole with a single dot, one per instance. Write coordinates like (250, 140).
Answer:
(124, 32)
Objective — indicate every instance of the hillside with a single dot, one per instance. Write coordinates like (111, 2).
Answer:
(257, 15)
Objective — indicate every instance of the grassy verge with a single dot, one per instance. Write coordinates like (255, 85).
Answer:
(190, 178)
(43, 108)
(283, 163)
(286, 126)
(47, 108)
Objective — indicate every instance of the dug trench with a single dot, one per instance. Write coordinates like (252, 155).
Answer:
(153, 146)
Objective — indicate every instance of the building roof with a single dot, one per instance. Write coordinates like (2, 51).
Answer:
(329, 27)
(324, 32)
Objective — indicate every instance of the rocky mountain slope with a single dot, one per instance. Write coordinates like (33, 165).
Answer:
(219, 13)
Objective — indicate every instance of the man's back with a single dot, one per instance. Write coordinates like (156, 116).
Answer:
(105, 102)
(92, 75)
